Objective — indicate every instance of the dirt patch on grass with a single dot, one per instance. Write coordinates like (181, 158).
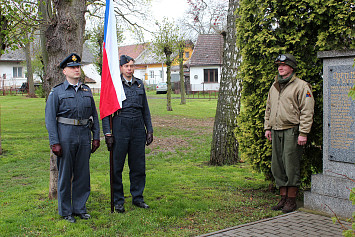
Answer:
(168, 144)
(172, 143)
(183, 123)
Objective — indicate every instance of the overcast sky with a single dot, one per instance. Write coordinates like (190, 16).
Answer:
(173, 10)
(168, 8)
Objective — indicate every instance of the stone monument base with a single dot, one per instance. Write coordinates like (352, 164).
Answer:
(330, 191)
(330, 194)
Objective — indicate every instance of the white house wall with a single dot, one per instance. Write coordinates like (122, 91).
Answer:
(91, 72)
(6, 71)
(158, 76)
(197, 80)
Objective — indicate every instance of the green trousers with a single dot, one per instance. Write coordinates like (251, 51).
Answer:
(286, 156)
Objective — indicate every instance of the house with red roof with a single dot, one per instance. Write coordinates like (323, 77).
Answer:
(206, 63)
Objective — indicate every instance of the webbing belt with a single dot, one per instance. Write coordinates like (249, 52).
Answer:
(77, 122)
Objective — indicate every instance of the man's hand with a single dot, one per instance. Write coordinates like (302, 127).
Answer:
(109, 139)
(95, 145)
(302, 140)
(57, 149)
(268, 135)
(149, 138)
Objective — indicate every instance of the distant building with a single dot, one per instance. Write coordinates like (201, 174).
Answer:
(153, 69)
(202, 66)
(206, 63)
(13, 70)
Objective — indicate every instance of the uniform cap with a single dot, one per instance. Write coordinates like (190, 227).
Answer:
(125, 59)
(287, 59)
(71, 61)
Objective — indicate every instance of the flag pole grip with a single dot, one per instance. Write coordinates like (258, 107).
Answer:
(111, 171)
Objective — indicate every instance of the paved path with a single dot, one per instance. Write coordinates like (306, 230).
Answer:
(291, 224)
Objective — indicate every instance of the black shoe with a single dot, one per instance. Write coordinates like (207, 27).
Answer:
(141, 204)
(69, 218)
(84, 216)
(119, 208)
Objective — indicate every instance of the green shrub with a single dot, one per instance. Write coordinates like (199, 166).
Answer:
(302, 28)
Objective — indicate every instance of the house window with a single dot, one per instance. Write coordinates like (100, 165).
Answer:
(187, 54)
(151, 74)
(17, 72)
(161, 73)
(210, 75)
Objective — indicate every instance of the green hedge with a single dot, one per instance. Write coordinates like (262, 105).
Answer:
(302, 28)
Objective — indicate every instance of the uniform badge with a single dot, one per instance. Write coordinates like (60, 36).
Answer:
(308, 94)
(139, 85)
(84, 89)
(74, 58)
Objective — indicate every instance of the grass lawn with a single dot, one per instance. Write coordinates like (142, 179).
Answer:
(187, 197)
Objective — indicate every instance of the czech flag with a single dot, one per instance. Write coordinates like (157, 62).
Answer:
(112, 93)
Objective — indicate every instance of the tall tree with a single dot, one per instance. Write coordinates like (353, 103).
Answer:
(16, 19)
(302, 28)
(64, 33)
(63, 29)
(96, 38)
(224, 148)
(30, 82)
(181, 50)
(165, 45)
(204, 17)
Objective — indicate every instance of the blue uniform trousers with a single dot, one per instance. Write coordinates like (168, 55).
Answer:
(130, 138)
(73, 169)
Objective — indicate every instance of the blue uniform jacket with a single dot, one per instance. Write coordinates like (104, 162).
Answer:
(135, 105)
(64, 101)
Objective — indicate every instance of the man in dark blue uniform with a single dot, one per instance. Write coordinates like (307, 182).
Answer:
(131, 131)
(71, 117)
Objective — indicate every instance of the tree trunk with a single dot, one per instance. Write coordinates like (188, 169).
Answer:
(31, 87)
(224, 149)
(63, 35)
(168, 94)
(182, 81)
(168, 62)
(44, 8)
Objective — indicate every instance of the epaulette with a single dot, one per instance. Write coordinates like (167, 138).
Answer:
(58, 85)
(55, 87)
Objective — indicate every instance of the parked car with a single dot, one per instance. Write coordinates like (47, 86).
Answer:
(162, 88)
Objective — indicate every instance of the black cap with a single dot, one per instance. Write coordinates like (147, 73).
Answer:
(72, 60)
(125, 59)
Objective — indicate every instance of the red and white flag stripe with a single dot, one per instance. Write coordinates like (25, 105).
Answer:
(112, 93)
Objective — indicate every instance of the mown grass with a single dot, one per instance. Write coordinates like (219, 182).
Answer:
(187, 197)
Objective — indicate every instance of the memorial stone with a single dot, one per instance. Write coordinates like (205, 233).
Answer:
(330, 190)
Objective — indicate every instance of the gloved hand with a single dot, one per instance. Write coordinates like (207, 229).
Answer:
(149, 138)
(95, 145)
(57, 149)
(109, 142)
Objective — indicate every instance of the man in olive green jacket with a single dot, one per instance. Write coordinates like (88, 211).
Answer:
(288, 120)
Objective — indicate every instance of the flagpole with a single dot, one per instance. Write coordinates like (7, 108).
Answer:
(111, 171)
(112, 92)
